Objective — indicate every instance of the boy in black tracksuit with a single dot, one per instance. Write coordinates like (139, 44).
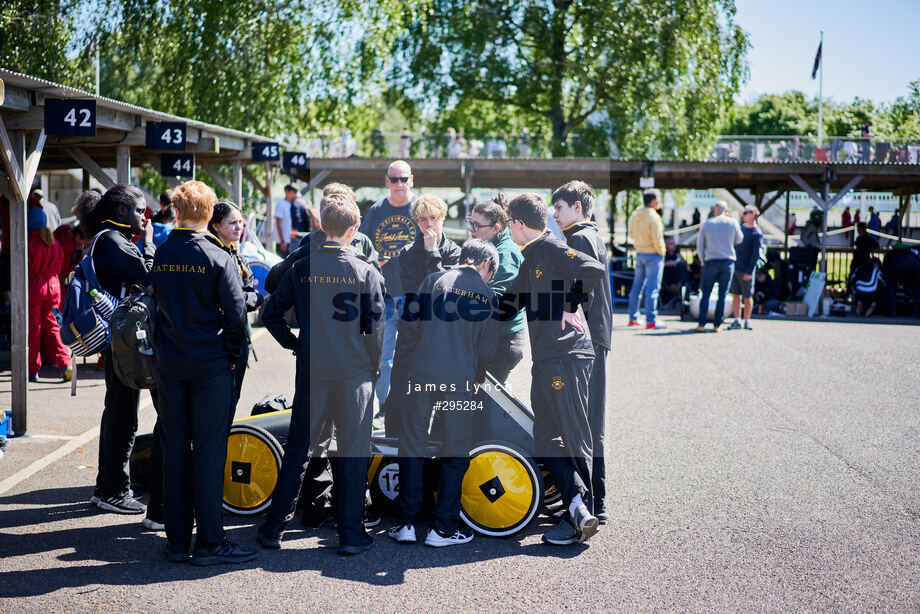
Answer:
(338, 298)
(553, 281)
(119, 264)
(448, 335)
(573, 204)
(316, 494)
(200, 334)
(416, 262)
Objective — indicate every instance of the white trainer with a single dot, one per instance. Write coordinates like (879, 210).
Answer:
(437, 540)
(403, 533)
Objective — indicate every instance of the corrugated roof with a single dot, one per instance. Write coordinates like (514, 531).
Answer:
(51, 89)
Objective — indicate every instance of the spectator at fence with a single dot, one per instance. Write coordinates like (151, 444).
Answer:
(675, 272)
(867, 283)
(766, 293)
(846, 220)
(647, 233)
(865, 245)
(811, 234)
(793, 225)
(715, 245)
(875, 222)
(282, 220)
(892, 226)
(696, 217)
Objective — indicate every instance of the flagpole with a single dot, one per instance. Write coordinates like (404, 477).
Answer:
(821, 91)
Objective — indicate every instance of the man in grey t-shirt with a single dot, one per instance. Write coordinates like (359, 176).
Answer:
(715, 246)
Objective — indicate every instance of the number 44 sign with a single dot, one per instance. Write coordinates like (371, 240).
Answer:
(70, 117)
(166, 135)
(178, 165)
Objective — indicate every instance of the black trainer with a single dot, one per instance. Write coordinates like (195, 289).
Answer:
(224, 552)
(121, 505)
(352, 549)
(371, 518)
(176, 555)
(268, 538)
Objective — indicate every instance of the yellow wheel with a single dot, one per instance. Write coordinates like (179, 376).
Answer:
(502, 489)
(252, 468)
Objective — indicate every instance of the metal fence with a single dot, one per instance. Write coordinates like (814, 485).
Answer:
(526, 144)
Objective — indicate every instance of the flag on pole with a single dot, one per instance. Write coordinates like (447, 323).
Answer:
(814, 69)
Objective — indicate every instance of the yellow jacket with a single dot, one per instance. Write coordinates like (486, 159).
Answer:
(647, 231)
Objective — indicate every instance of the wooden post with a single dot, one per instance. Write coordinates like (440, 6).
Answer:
(237, 183)
(123, 164)
(21, 166)
(269, 211)
(786, 229)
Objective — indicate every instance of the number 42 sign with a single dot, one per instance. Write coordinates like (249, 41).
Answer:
(70, 117)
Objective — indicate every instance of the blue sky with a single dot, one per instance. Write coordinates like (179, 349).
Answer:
(871, 48)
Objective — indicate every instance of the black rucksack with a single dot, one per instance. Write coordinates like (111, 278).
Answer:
(132, 326)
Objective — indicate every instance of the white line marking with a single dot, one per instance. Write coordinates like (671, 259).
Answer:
(43, 436)
(64, 450)
(72, 444)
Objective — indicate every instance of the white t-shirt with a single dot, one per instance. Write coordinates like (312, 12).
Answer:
(283, 213)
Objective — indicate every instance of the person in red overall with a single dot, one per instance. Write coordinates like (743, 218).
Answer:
(45, 259)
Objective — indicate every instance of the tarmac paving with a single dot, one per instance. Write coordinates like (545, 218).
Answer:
(770, 470)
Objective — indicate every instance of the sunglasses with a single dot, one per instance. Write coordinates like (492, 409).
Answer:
(398, 179)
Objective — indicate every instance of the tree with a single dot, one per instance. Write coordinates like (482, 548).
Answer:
(650, 74)
(35, 37)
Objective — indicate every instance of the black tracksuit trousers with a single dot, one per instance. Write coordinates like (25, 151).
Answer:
(194, 422)
(413, 450)
(561, 430)
(597, 406)
(319, 404)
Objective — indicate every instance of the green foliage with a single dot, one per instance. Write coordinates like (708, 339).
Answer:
(35, 37)
(635, 75)
(792, 113)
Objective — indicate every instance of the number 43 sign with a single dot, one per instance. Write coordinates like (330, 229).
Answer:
(166, 135)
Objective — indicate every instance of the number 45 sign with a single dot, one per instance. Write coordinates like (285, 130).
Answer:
(178, 165)
(70, 117)
(266, 152)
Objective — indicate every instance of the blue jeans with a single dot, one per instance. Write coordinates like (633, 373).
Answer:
(394, 308)
(716, 271)
(649, 268)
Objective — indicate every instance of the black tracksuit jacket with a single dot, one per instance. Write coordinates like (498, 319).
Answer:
(338, 298)
(598, 307)
(201, 310)
(362, 244)
(452, 339)
(416, 263)
(118, 263)
(552, 278)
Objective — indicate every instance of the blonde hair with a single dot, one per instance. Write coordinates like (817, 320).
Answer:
(194, 202)
(338, 189)
(46, 236)
(426, 203)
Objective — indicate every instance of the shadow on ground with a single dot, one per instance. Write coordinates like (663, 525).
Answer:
(127, 554)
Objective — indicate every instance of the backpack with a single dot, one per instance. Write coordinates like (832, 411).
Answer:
(87, 309)
(132, 325)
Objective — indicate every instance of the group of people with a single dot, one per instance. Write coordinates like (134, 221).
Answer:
(362, 292)
(389, 306)
(728, 254)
